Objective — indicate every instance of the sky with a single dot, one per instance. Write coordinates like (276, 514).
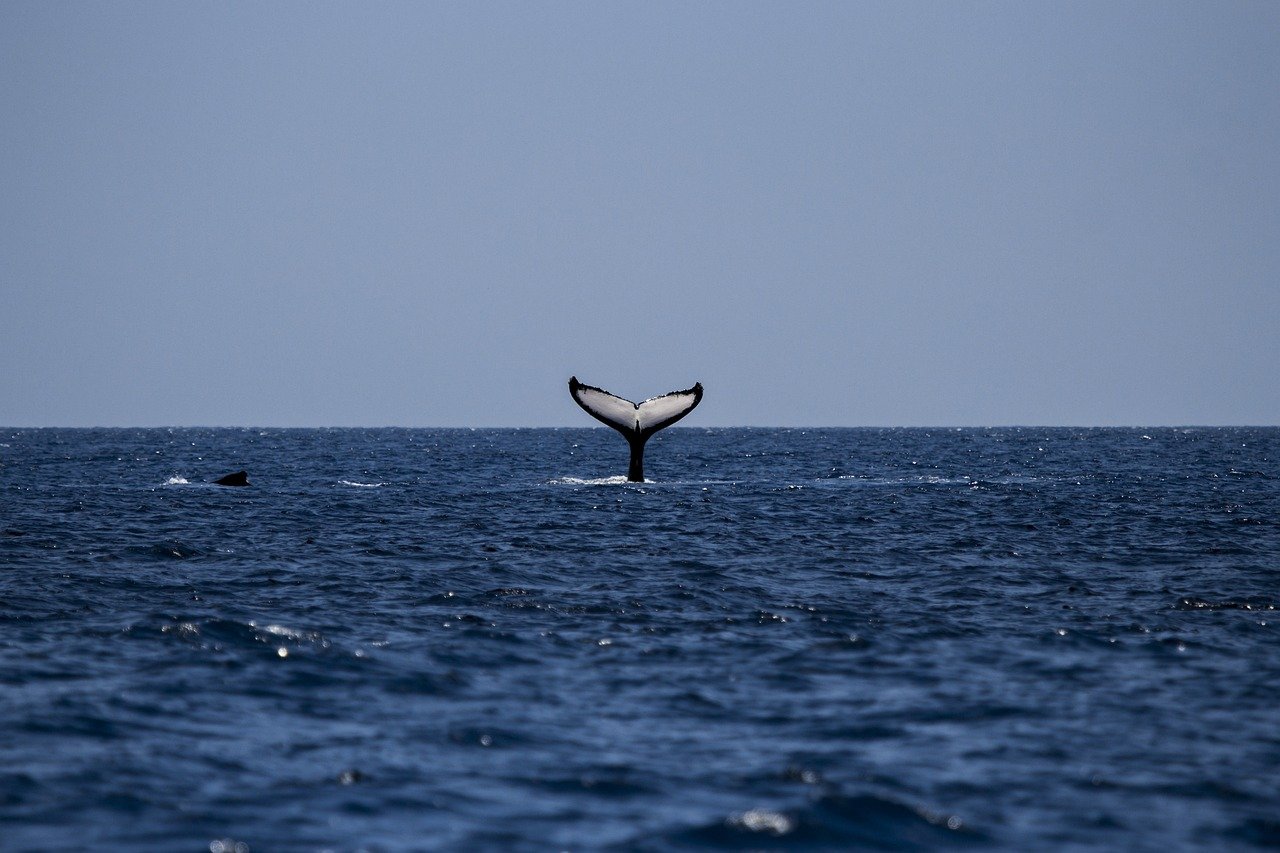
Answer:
(830, 214)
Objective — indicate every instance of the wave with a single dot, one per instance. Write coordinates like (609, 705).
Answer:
(229, 634)
(360, 485)
(835, 821)
(938, 480)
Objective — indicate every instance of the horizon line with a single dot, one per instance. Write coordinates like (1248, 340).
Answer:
(684, 427)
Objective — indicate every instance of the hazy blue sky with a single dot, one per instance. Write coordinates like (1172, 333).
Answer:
(830, 214)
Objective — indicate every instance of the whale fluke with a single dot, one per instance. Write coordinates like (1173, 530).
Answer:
(239, 478)
(636, 421)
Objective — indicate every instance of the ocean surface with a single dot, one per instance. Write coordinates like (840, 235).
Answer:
(832, 639)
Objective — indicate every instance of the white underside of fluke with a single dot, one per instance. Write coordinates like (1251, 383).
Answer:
(627, 417)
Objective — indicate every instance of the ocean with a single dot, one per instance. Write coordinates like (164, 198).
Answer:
(822, 639)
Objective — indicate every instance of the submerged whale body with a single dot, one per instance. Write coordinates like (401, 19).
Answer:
(239, 478)
(636, 421)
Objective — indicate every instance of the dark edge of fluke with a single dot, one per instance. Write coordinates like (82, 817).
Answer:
(239, 478)
(635, 435)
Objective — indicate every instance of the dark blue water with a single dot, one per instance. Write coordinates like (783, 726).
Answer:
(475, 640)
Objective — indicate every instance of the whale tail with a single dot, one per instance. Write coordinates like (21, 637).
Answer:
(636, 421)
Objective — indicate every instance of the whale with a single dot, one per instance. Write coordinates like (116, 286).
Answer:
(637, 422)
(239, 478)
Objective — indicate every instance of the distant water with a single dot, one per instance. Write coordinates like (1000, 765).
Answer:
(1017, 639)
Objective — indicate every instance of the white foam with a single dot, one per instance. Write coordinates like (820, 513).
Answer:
(360, 485)
(177, 481)
(934, 480)
(619, 480)
(763, 821)
(280, 631)
(926, 479)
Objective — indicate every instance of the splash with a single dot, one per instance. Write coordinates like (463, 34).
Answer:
(618, 480)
